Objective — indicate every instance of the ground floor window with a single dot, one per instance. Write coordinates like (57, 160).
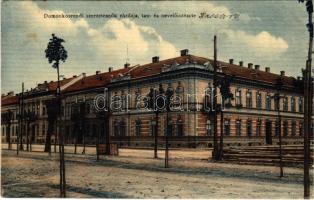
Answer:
(208, 128)
(227, 126)
(258, 127)
(168, 130)
(301, 128)
(285, 128)
(249, 127)
(238, 127)
(293, 128)
(180, 127)
(138, 127)
(153, 127)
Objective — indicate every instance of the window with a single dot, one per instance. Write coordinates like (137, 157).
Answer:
(301, 128)
(293, 128)
(208, 128)
(44, 110)
(137, 102)
(268, 102)
(169, 129)
(285, 104)
(180, 127)
(258, 127)
(43, 129)
(238, 97)
(116, 128)
(258, 100)
(249, 127)
(249, 99)
(122, 128)
(152, 127)
(300, 104)
(292, 104)
(227, 126)
(138, 127)
(285, 128)
(238, 127)
(277, 128)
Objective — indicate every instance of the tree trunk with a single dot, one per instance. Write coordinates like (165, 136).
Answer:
(48, 137)
(27, 137)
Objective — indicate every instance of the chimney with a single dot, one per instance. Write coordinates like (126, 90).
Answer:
(231, 61)
(299, 78)
(241, 63)
(84, 74)
(282, 73)
(184, 52)
(257, 67)
(155, 59)
(11, 93)
(74, 76)
(250, 65)
(45, 82)
(110, 69)
(267, 69)
(97, 72)
(126, 65)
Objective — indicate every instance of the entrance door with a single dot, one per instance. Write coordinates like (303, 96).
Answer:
(268, 132)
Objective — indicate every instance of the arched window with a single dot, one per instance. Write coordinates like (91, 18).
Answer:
(292, 104)
(116, 128)
(238, 97)
(300, 104)
(168, 130)
(258, 100)
(122, 128)
(301, 128)
(137, 102)
(285, 128)
(293, 128)
(285, 103)
(138, 127)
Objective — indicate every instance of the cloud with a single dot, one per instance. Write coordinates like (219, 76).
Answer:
(89, 49)
(261, 44)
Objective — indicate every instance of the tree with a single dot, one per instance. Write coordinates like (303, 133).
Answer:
(7, 119)
(55, 53)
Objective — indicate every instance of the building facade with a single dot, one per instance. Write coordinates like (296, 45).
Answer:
(251, 117)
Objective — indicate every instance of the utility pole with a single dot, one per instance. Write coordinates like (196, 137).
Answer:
(21, 112)
(215, 151)
(308, 100)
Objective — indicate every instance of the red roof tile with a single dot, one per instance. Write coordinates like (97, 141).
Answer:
(9, 100)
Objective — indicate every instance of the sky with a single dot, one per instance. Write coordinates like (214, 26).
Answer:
(269, 33)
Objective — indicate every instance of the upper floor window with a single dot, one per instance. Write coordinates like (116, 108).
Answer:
(238, 97)
(277, 128)
(249, 99)
(300, 104)
(285, 104)
(268, 102)
(258, 100)
(137, 102)
(292, 104)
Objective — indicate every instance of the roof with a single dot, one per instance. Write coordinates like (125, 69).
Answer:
(151, 69)
(53, 85)
(9, 100)
(96, 80)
